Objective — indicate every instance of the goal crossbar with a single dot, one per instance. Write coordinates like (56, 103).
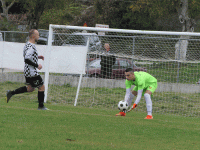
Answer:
(126, 30)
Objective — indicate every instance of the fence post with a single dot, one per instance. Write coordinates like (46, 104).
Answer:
(1, 51)
(178, 70)
(133, 50)
(4, 36)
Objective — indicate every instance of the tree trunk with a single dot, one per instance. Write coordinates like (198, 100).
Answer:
(35, 13)
(6, 8)
(182, 44)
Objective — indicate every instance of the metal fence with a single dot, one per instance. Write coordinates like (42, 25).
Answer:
(14, 36)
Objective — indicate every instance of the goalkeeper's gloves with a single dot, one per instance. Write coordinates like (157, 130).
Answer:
(134, 106)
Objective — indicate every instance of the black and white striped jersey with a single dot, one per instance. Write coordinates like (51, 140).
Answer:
(31, 54)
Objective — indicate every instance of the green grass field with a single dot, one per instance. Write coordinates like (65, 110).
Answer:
(64, 126)
(183, 104)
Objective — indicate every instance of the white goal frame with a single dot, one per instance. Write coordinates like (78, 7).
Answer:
(47, 63)
(95, 29)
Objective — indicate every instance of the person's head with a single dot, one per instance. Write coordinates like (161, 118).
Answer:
(33, 35)
(107, 47)
(129, 74)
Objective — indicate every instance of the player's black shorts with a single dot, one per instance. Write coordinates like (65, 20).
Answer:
(35, 82)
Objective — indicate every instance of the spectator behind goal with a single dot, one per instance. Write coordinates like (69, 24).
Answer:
(107, 61)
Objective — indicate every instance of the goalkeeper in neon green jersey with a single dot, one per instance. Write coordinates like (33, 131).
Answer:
(145, 85)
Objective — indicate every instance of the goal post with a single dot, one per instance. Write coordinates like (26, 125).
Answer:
(81, 75)
(47, 60)
(73, 67)
(63, 59)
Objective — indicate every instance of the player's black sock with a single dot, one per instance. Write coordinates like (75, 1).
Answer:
(20, 90)
(41, 98)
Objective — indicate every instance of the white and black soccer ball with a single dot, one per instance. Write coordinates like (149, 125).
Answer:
(122, 105)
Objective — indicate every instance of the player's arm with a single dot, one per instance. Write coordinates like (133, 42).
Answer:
(139, 95)
(128, 95)
(28, 58)
(28, 61)
(41, 57)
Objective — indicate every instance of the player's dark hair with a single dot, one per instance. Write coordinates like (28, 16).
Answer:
(129, 70)
(31, 32)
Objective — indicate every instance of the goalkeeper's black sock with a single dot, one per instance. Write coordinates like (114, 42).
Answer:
(41, 98)
(19, 90)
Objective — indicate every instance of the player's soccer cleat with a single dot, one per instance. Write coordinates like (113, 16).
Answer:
(8, 95)
(148, 117)
(121, 114)
(42, 108)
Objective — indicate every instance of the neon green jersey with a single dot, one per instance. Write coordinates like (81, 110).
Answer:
(142, 80)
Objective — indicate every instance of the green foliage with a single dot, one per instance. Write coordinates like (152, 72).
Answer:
(60, 16)
(135, 14)
(119, 14)
(75, 9)
(54, 16)
(164, 9)
(7, 26)
(194, 8)
(155, 8)
(35, 9)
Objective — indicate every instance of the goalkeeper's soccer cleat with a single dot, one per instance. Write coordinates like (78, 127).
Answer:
(8, 95)
(121, 114)
(148, 117)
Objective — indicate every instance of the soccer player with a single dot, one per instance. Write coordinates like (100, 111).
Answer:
(33, 79)
(145, 85)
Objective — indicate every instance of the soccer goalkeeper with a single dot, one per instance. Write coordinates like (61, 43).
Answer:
(145, 85)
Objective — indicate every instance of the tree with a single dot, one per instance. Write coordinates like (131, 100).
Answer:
(156, 9)
(121, 14)
(55, 16)
(6, 8)
(159, 9)
(79, 13)
(35, 9)
(6, 24)
(187, 26)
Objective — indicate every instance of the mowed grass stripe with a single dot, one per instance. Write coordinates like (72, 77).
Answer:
(68, 127)
(107, 112)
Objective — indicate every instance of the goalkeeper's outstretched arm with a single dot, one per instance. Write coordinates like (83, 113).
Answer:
(139, 95)
(129, 96)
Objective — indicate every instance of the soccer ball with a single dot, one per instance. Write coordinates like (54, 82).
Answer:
(122, 105)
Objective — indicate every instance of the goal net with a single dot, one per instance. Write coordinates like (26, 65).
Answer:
(73, 70)
(171, 57)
